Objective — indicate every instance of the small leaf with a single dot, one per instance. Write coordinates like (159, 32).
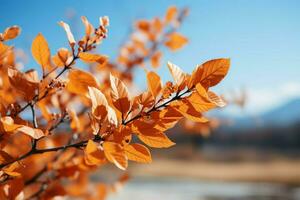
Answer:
(8, 125)
(137, 152)
(32, 132)
(171, 13)
(176, 41)
(115, 154)
(11, 32)
(89, 29)
(154, 83)
(40, 51)
(177, 73)
(119, 95)
(217, 100)
(88, 57)
(68, 32)
(155, 59)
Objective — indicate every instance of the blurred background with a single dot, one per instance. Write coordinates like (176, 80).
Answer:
(250, 149)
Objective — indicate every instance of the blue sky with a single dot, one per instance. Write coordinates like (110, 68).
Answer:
(262, 38)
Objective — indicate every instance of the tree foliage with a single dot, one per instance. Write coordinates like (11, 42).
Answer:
(58, 126)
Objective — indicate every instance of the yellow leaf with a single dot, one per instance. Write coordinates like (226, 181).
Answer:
(88, 57)
(156, 139)
(154, 83)
(176, 41)
(138, 153)
(79, 81)
(210, 73)
(40, 51)
(115, 154)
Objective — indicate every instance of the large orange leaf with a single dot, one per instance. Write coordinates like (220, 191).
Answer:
(137, 152)
(156, 139)
(210, 73)
(115, 154)
(79, 81)
(154, 83)
(40, 51)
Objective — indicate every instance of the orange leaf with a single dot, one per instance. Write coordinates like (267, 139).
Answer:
(156, 139)
(8, 124)
(171, 13)
(188, 111)
(98, 99)
(11, 32)
(155, 59)
(176, 41)
(79, 81)
(89, 29)
(119, 95)
(115, 154)
(210, 73)
(154, 83)
(88, 57)
(218, 101)
(93, 155)
(32, 132)
(137, 152)
(40, 51)
(177, 73)
(24, 84)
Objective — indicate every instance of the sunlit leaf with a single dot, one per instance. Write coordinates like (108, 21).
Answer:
(137, 152)
(115, 154)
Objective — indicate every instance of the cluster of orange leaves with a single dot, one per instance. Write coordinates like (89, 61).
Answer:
(106, 123)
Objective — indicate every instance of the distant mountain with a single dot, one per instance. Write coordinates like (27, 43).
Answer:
(283, 115)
